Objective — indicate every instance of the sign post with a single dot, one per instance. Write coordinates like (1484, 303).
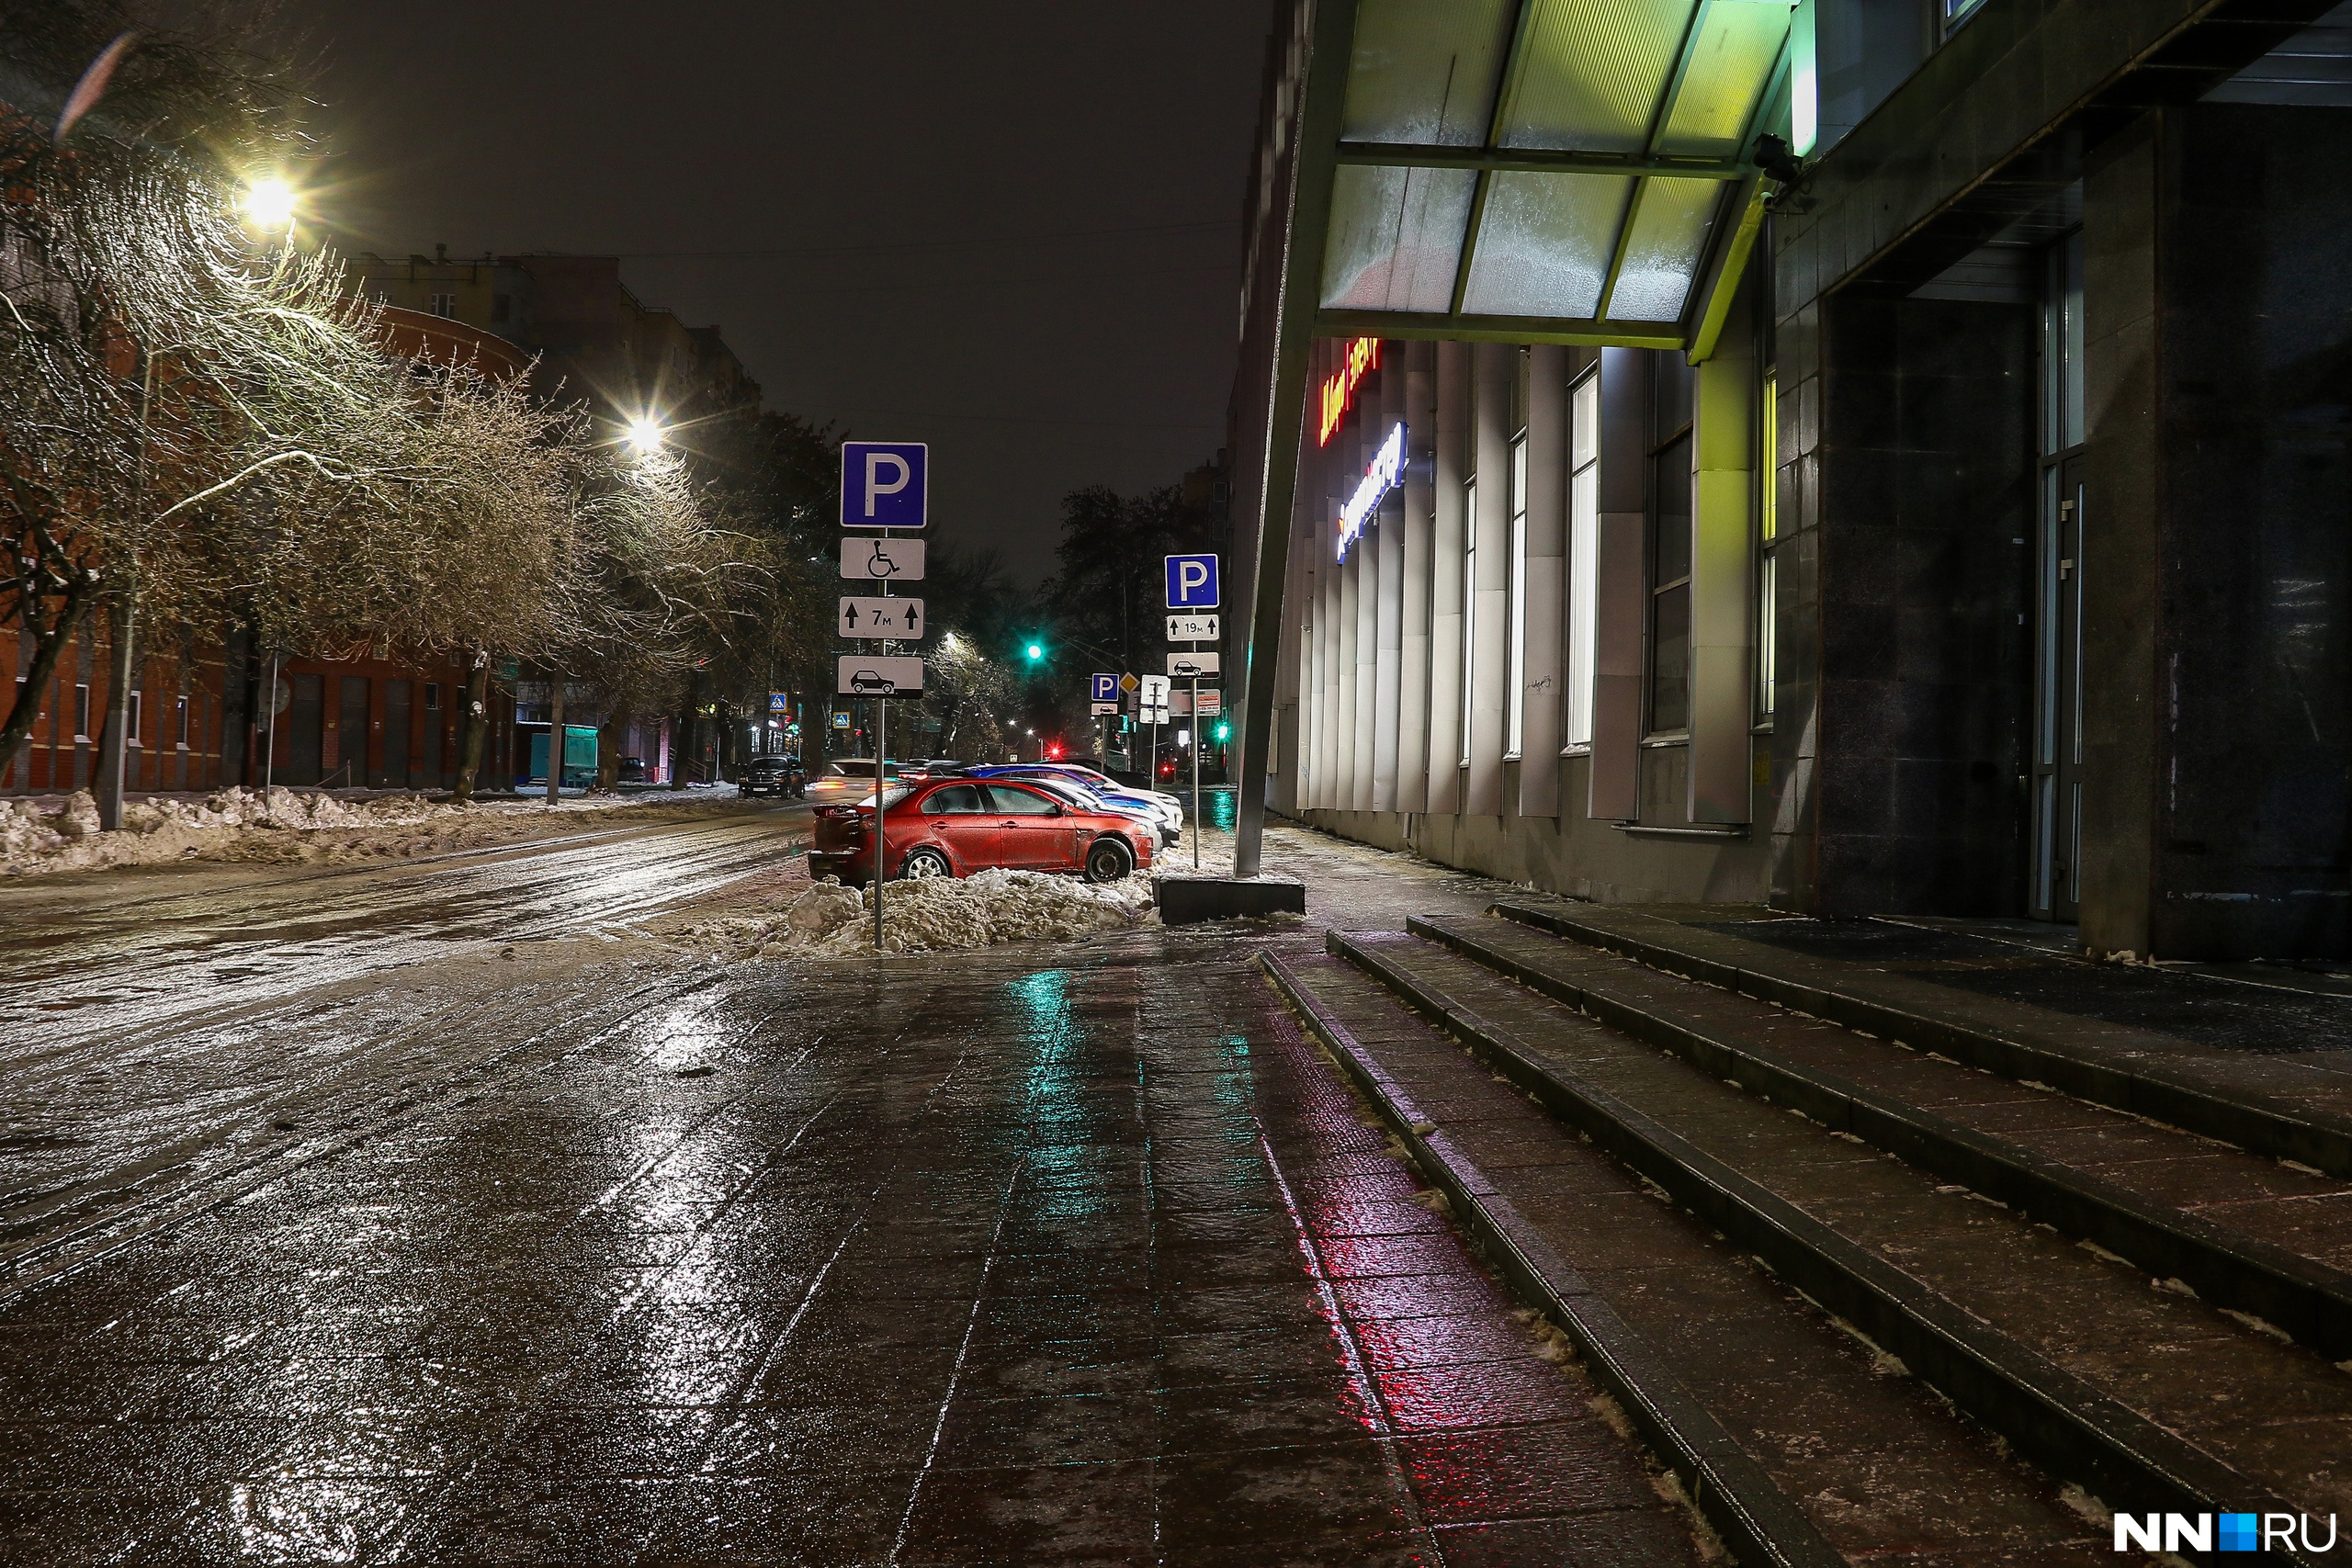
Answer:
(1193, 589)
(884, 485)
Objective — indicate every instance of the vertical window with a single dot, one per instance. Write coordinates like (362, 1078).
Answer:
(445, 304)
(1670, 591)
(133, 727)
(431, 695)
(1517, 728)
(1670, 561)
(1584, 551)
(1768, 535)
(179, 724)
(1469, 559)
(1469, 606)
(81, 712)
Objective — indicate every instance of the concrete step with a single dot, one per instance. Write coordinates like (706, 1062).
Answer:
(2149, 1399)
(2282, 1106)
(1802, 1442)
(2242, 1231)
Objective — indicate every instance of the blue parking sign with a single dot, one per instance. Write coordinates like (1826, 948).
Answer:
(882, 484)
(1106, 688)
(1191, 582)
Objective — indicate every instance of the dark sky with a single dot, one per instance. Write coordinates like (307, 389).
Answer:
(1010, 228)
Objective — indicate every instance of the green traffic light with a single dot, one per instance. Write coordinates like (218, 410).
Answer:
(1036, 652)
(1223, 730)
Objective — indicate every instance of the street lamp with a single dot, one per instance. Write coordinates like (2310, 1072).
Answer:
(269, 205)
(645, 435)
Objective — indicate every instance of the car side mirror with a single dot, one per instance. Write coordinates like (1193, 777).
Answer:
(1054, 810)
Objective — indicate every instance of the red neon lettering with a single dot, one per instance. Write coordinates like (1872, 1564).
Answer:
(1337, 393)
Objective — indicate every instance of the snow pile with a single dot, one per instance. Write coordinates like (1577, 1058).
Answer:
(940, 912)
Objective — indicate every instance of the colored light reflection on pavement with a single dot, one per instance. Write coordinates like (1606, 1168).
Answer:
(949, 1259)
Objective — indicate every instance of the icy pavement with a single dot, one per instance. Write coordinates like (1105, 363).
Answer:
(1038, 1254)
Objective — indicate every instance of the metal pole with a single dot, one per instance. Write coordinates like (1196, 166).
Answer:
(1196, 770)
(881, 750)
(555, 734)
(269, 747)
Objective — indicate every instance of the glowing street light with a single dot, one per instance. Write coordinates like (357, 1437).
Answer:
(1036, 652)
(269, 205)
(645, 435)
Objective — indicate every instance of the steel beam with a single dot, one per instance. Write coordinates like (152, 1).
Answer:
(1331, 42)
(1414, 327)
(1536, 161)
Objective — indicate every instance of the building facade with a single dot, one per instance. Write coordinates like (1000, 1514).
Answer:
(1867, 457)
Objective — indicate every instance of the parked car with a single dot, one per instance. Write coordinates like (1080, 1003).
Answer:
(632, 770)
(957, 826)
(782, 777)
(1073, 792)
(848, 778)
(1166, 809)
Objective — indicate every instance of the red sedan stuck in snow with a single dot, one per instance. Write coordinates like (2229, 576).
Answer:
(955, 827)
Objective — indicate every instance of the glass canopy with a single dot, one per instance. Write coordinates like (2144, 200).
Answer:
(1549, 170)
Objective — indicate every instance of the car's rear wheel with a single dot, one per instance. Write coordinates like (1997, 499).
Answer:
(920, 863)
(1109, 861)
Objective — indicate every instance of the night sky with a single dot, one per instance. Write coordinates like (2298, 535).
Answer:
(1008, 230)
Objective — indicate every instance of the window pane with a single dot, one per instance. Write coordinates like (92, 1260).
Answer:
(1768, 466)
(1768, 639)
(1015, 802)
(1670, 561)
(1584, 544)
(1469, 606)
(1516, 728)
(956, 798)
(1584, 426)
(1670, 659)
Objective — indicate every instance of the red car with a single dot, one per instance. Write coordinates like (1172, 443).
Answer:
(955, 827)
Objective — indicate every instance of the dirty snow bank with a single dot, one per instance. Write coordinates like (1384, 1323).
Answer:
(39, 835)
(936, 913)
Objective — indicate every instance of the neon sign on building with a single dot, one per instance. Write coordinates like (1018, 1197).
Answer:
(1338, 390)
(1386, 473)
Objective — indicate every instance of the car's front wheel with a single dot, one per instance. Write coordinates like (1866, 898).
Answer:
(1109, 859)
(920, 863)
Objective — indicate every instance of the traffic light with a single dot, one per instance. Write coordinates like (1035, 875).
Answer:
(1223, 730)
(1035, 651)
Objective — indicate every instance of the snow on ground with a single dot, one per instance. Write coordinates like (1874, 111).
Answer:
(52, 833)
(936, 913)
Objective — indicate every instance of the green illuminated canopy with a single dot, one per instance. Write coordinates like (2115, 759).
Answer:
(1562, 171)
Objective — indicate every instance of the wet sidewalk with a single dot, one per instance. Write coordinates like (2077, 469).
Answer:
(1067, 1255)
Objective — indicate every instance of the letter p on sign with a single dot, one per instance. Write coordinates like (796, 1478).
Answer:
(1191, 582)
(883, 484)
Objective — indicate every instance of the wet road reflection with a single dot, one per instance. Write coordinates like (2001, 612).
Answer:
(953, 1259)
(156, 1030)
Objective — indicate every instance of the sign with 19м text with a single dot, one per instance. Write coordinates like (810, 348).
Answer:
(1191, 582)
(882, 484)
